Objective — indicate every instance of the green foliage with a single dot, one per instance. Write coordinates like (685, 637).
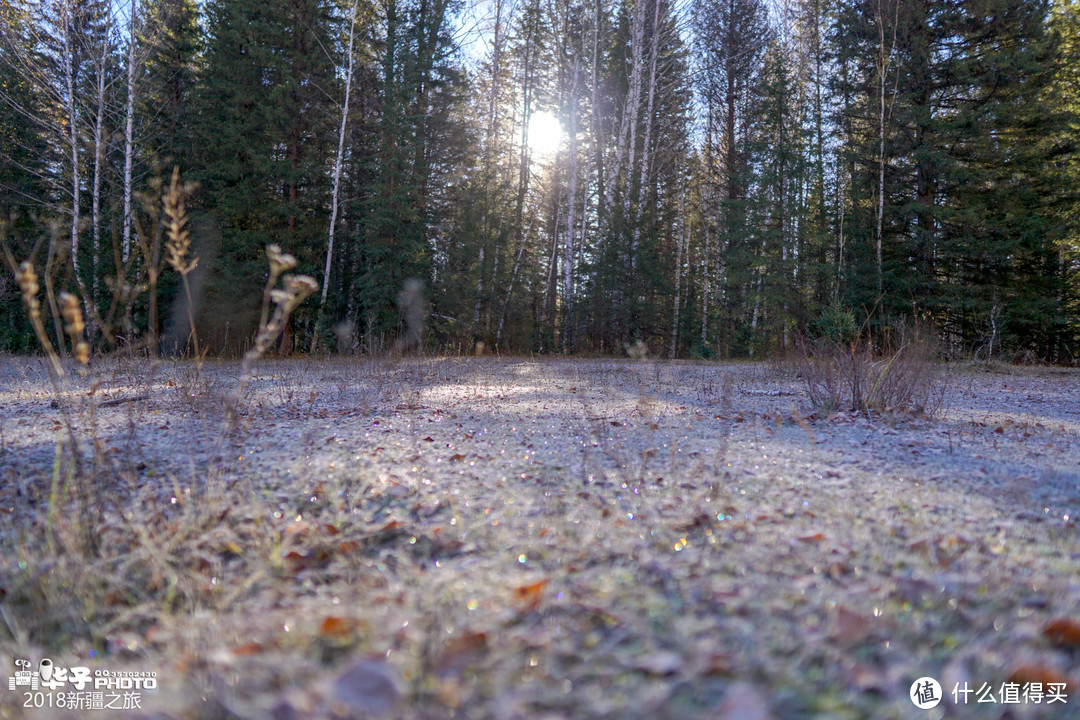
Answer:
(907, 157)
(260, 138)
(835, 324)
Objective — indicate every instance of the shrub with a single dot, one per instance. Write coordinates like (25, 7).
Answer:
(895, 373)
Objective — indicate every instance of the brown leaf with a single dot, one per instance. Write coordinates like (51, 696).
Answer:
(465, 650)
(1063, 632)
(457, 457)
(336, 628)
(112, 597)
(529, 596)
(1025, 673)
(815, 538)
(297, 560)
(743, 702)
(297, 530)
(248, 648)
(369, 688)
(851, 628)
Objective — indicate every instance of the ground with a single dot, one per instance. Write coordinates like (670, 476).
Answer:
(512, 538)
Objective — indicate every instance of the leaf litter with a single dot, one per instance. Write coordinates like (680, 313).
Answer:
(576, 539)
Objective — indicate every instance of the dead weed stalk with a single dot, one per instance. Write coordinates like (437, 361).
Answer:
(285, 299)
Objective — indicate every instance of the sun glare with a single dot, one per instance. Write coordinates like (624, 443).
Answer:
(545, 135)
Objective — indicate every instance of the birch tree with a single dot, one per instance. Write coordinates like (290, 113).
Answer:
(339, 157)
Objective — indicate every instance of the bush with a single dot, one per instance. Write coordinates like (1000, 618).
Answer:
(898, 373)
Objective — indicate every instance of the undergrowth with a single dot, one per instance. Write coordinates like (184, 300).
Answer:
(894, 372)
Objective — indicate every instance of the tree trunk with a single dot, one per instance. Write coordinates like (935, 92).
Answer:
(646, 151)
(680, 250)
(568, 248)
(338, 159)
(73, 136)
(99, 159)
(129, 134)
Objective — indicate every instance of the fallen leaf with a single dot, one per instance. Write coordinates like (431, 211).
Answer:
(851, 628)
(461, 652)
(368, 687)
(1026, 673)
(458, 457)
(1063, 632)
(335, 627)
(112, 597)
(296, 530)
(816, 537)
(529, 596)
(297, 560)
(743, 702)
(248, 648)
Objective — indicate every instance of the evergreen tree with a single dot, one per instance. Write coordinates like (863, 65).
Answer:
(260, 141)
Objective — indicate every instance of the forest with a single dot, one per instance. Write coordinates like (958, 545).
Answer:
(314, 396)
(710, 178)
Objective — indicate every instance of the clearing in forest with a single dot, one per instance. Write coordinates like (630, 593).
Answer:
(489, 538)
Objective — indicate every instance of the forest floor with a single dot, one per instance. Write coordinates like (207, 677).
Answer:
(511, 538)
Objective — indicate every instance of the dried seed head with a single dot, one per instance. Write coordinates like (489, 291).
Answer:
(82, 352)
(28, 280)
(279, 261)
(301, 285)
(69, 308)
(178, 239)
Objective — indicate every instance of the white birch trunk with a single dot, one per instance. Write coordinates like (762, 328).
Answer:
(513, 279)
(646, 152)
(493, 107)
(568, 248)
(338, 160)
(885, 63)
(634, 107)
(129, 134)
(99, 158)
(680, 250)
(73, 135)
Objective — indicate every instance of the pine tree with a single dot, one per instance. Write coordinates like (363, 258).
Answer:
(260, 140)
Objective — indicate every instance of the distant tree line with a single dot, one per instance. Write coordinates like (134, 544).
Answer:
(731, 174)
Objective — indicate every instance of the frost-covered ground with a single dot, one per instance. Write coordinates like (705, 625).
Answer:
(551, 538)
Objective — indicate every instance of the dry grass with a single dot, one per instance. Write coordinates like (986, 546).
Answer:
(897, 374)
(409, 546)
